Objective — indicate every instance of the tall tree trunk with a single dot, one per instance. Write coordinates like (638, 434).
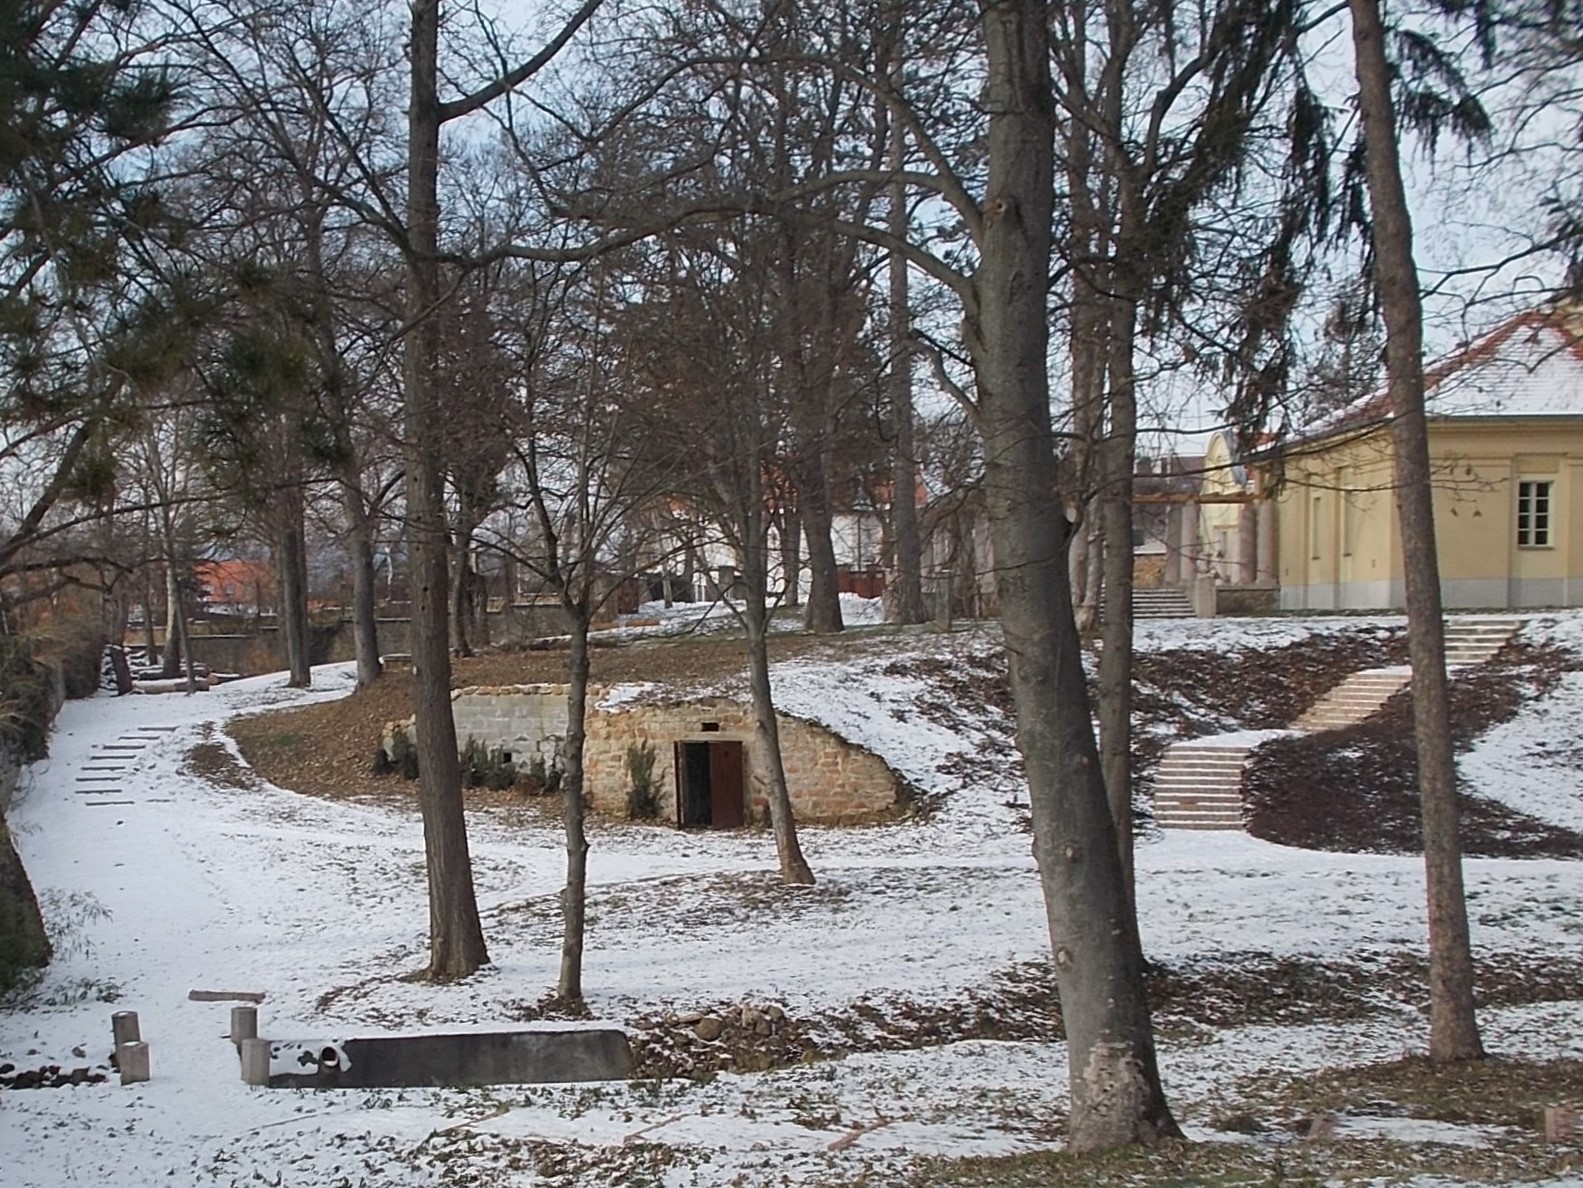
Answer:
(822, 614)
(186, 662)
(1115, 658)
(150, 645)
(461, 596)
(766, 729)
(456, 937)
(170, 658)
(359, 522)
(24, 944)
(292, 567)
(791, 556)
(1088, 348)
(1116, 1096)
(794, 867)
(1453, 1027)
(906, 602)
(574, 896)
(365, 629)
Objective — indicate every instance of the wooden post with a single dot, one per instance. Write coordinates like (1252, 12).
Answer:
(132, 1058)
(244, 1024)
(255, 1062)
(123, 1026)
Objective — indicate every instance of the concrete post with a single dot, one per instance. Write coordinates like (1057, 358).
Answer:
(124, 1027)
(1173, 545)
(244, 1024)
(1266, 573)
(1189, 547)
(1247, 546)
(132, 1059)
(255, 1062)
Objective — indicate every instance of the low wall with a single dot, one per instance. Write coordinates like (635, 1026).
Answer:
(1246, 600)
(829, 779)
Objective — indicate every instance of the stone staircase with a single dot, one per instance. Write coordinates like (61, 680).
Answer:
(1157, 602)
(1161, 602)
(1354, 699)
(1474, 641)
(1198, 785)
(1199, 781)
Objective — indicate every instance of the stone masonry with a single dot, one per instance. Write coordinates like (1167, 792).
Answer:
(830, 780)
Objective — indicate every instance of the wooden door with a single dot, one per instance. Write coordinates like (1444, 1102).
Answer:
(726, 802)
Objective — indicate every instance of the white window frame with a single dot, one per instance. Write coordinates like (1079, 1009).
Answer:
(1536, 528)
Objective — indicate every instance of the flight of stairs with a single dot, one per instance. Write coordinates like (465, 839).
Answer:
(1161, 602)
(1473, 641)
(1198, 785)
(1156, 602)
(1354, 699)
(1199, 781)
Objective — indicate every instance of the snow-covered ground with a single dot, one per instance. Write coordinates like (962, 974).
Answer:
(159, 880)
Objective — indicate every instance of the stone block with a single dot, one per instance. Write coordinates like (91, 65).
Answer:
(132, 1059)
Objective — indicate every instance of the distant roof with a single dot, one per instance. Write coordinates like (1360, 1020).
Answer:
(1528, 366)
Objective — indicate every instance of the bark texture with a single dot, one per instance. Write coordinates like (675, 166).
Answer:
(906, 601)
(574, 896)
(456, 938)
(292, 570)
(1116, 1097)
(1115, 658)
(1453, 1027)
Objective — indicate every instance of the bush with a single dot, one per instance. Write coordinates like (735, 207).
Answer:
(487, 767)
(642, 797)
(543, 779)
(25, 709)
(404, 756)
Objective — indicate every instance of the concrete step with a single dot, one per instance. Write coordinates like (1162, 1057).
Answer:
(1199, 786)
(1158, 602)
(1475, 641)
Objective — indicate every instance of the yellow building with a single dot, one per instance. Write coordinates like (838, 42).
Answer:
(1506, 450)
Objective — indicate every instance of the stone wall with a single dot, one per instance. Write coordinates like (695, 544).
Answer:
(522, 720)
(829, 779)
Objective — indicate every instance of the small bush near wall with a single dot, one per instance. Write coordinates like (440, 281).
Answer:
(642, 797)
(543, 779)
(404, 755)
(487, 767)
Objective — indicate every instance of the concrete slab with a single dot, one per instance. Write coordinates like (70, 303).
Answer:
(537, 1056)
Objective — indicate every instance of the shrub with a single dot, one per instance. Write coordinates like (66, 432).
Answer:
(484, 766)
(642, 797)
(543, 778)
(25, 710)
(404, 756)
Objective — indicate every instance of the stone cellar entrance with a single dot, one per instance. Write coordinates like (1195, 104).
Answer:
(709, 785)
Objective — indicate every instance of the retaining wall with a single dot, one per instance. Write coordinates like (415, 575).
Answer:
(829, 779)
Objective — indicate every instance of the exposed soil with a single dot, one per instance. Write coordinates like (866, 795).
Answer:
(1356, 789)
(1352, 789)
(1022, 1003)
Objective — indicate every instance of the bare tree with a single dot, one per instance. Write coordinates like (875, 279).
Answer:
(712, 364)
(1453, 1027)
(456, 939)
